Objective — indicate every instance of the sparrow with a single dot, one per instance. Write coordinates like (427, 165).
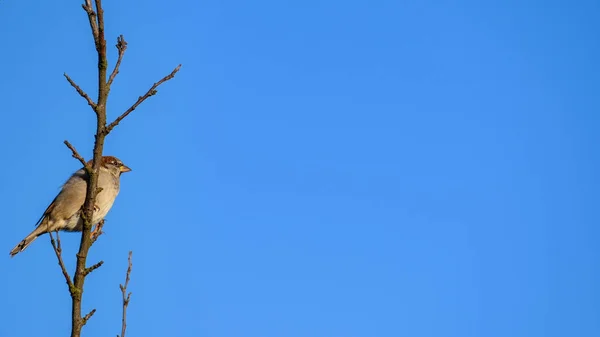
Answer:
(64, 212)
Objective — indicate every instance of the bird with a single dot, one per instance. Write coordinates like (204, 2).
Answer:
(64, 212)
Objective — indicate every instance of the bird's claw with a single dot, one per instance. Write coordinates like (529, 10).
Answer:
(97, 231)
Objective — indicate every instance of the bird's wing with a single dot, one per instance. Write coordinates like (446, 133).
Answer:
(47, 211)
(69, 199)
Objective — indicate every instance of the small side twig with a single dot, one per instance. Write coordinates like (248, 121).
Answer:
(88, 316)
(58, 252)
(92, 268)
(121, 47)
(126, 297)
(151, 92)
(81, 92)
(76, 154)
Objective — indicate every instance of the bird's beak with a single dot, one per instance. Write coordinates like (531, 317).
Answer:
(124, 169)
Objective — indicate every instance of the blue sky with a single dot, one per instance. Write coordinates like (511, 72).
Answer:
(317, 168)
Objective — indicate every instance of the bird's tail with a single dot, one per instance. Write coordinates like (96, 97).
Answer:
(27, 241)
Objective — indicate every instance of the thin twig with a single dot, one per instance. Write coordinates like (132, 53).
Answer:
(81, 92)
(88, 316)
(58, 252)
(126, 297)
(92, 268)
(151, 92)
(87, 7)
(121, 47)
(76, 154)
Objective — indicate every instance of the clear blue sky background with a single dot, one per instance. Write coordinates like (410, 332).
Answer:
(317, 168)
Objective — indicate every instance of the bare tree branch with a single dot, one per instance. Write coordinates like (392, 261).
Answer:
(87, 7)
(95, 15)
(58, 252)
(94, 267)
(121, 47)
(96, 20)
(76, 154)
(88, 316)
(151, 92)
(126, 297)
(81, 92)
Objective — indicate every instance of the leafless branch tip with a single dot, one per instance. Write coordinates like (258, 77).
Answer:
(121, 47)
(61, 263)
(151, 92)
(88, 316)
(126, 297)
(81, 92)
(92, 268)
(87, 7)
(76, 154)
